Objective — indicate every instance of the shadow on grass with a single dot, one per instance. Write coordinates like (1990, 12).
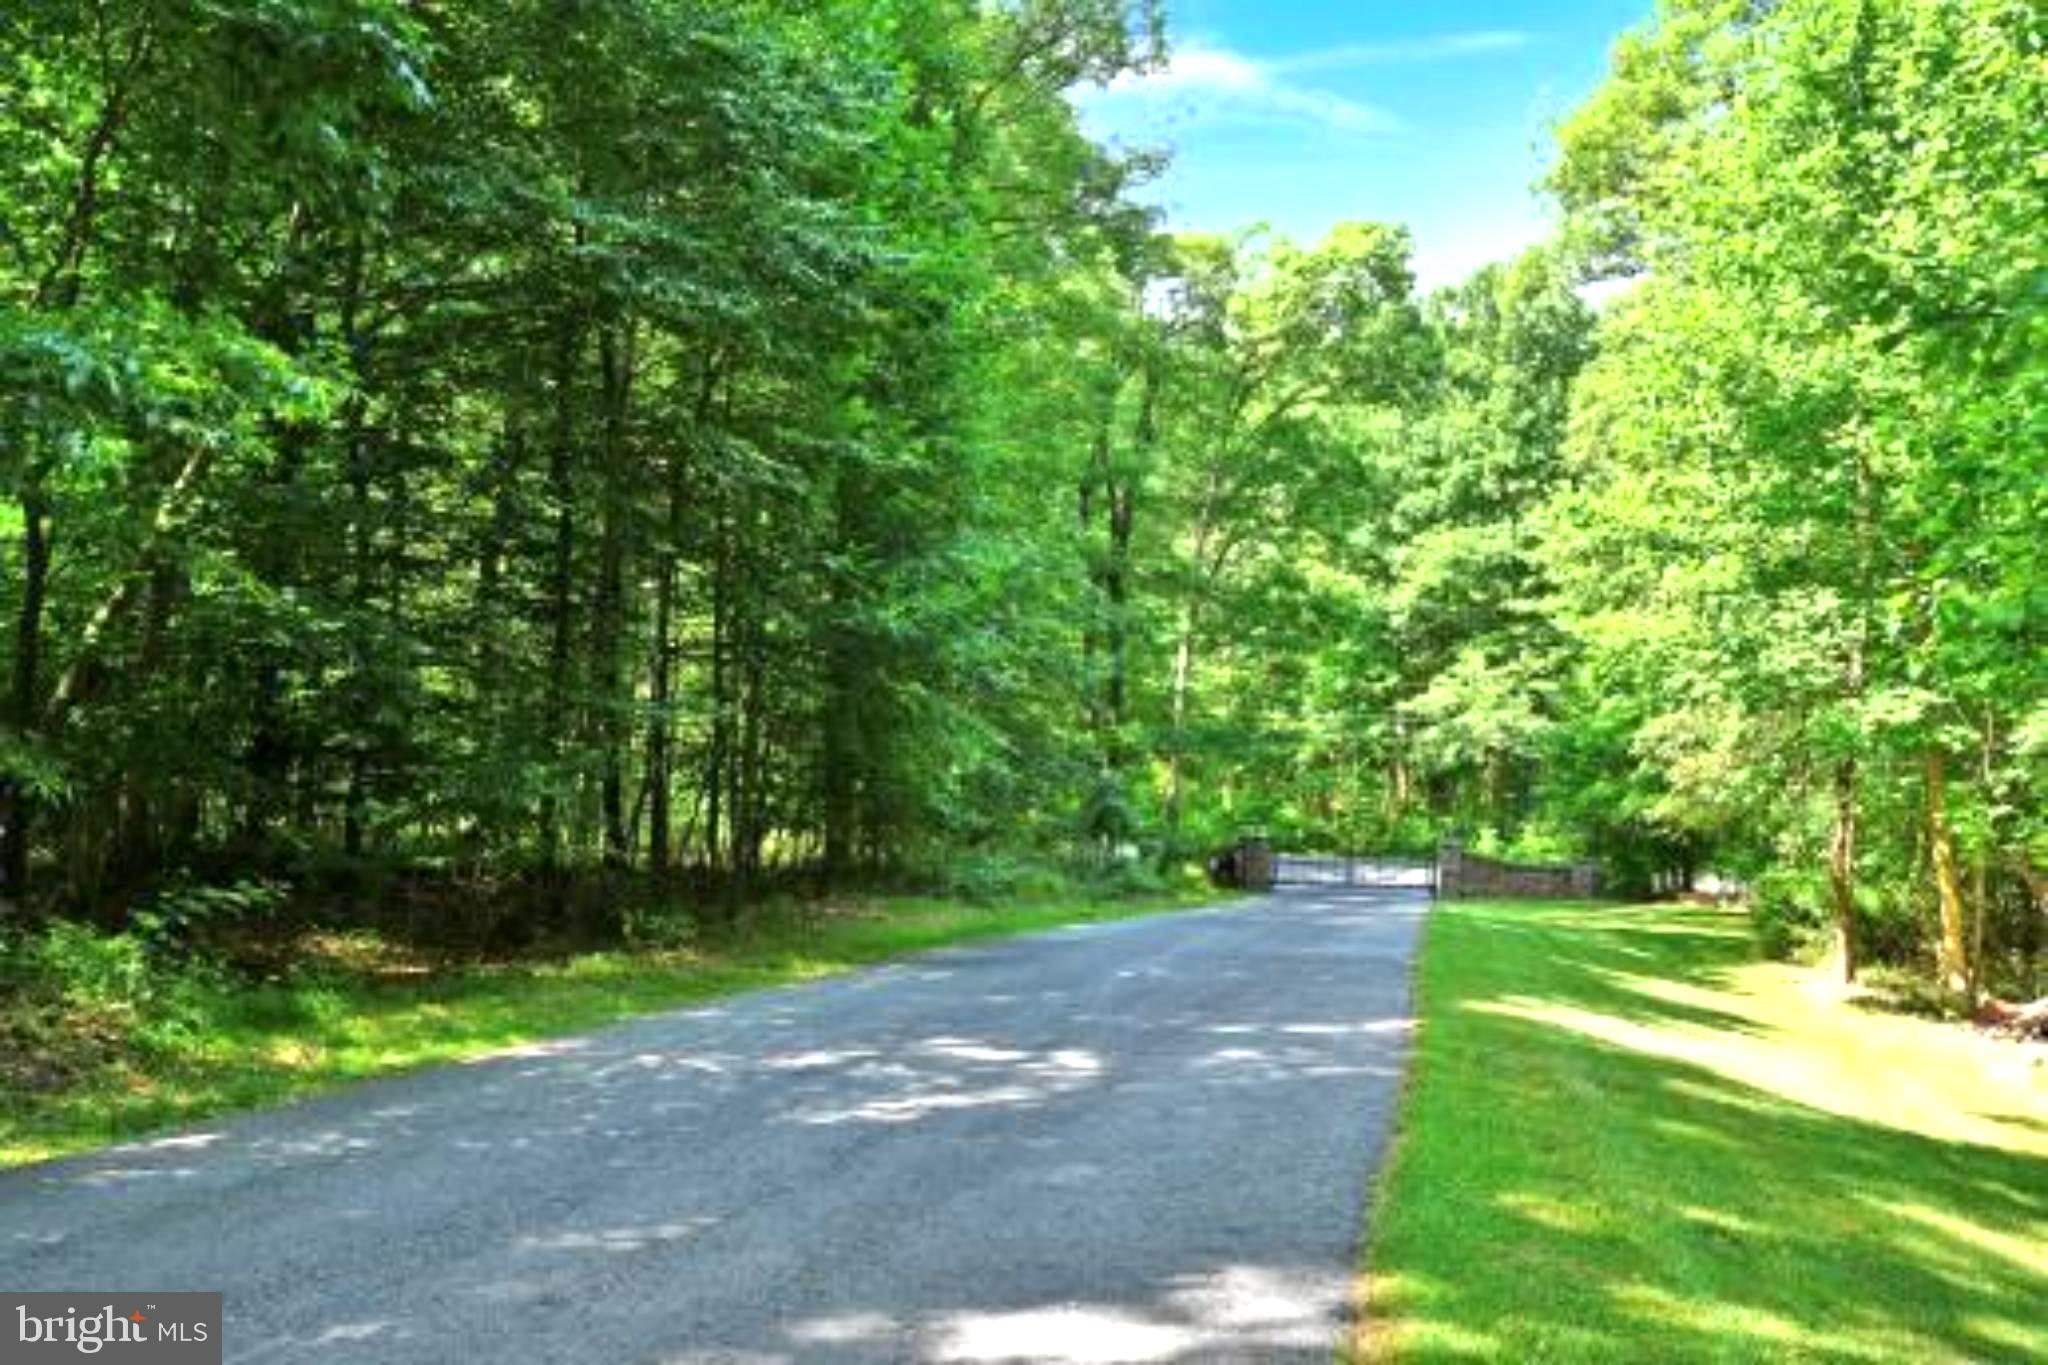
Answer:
(2024, 1121)
(1560, 1194)
(1612, 961)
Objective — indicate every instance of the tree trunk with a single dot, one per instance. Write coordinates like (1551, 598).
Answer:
(615, 355)
(1123, 520)
(62, 280)
(661, 685)
(1117, 586)
(1182, 681)
(1183, 671)
(58, 289)
(1981, 869)
(1842, 843)
(1980, 886)
(747, 770)
(1952, 956)
(1107, 629)
(487, 612)
(841, 755)
(17, 806)
(715, 755)
(1842, 870)
(561, 570)
(1091, 620)
(660, 727)
(141, 844)
(362, 540)
(356, 797)
(659, 780)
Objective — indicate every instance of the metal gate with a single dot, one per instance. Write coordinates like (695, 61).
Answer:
(1354, 869)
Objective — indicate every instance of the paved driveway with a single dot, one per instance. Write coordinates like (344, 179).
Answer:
(1141, 1141)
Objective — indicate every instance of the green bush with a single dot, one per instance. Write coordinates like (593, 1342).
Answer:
(121, 990)
(1131, 877)
(1787, 914)
(183, 917)
(1545, 843)
(983, 878)
(659, 926)
(82, 967)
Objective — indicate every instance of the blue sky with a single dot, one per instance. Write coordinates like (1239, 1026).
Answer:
(1302, 114)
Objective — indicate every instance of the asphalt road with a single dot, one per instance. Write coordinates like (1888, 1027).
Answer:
(1141, 1141)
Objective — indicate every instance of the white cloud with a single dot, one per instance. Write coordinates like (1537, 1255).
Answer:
(1204, 84)
(1196, 68)
(1447, 256)
(1214, 84)
(1406, 51)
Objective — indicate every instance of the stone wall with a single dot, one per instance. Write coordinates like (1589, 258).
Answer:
(1468, 874)
(1255, 865)
(1248, 864)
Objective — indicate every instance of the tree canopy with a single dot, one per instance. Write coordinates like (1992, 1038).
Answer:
(728, 445)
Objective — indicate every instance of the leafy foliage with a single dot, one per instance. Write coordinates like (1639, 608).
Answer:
(526, 448)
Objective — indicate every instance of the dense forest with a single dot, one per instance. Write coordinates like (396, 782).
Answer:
(509, 460)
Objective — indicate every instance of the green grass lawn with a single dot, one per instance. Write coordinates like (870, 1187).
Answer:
(362, 1010)
(1626, 1140)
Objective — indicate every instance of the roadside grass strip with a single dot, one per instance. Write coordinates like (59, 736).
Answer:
(1625, 1139)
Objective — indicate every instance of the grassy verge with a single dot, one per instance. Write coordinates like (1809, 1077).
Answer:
(357, 1009)
(1626, 1140)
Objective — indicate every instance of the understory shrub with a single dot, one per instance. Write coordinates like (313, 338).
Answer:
(1787, 914)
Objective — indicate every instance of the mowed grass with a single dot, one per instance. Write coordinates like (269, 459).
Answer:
(1626, 1140)
(361, 1015)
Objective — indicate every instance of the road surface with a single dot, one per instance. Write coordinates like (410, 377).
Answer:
(1141, 1141)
